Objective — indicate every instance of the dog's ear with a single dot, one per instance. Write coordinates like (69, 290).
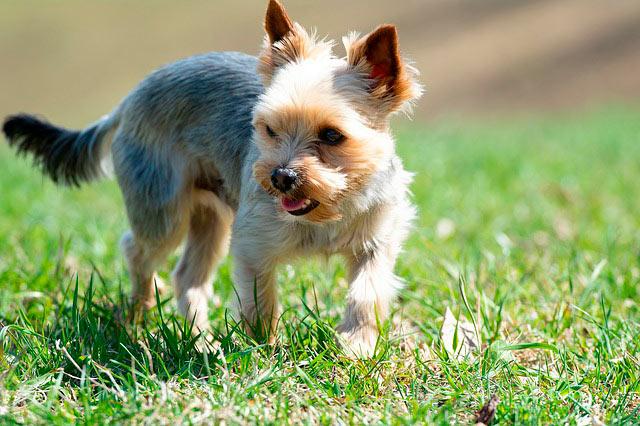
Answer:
(285, 42)
(277, 23)
(377, 57)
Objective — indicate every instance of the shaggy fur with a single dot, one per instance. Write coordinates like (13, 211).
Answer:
(197, 148)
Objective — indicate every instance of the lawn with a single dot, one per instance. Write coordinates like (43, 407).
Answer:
(529, 229)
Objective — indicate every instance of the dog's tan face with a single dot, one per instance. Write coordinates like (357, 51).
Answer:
(322, 123)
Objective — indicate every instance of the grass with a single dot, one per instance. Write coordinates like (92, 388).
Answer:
(530, 228)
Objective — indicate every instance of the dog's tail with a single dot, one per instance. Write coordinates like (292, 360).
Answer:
(69, 157)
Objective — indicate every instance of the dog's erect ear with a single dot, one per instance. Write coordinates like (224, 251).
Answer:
(277, 23)
(380, 50)
(283, 43)
(286, 42)
(377, 55)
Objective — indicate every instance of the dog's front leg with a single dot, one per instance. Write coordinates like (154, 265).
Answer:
(257, 297)
(372, 288)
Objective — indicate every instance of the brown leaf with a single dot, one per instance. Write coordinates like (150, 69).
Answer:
(487, 412)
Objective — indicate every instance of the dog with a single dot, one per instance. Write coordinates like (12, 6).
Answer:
(280, 156)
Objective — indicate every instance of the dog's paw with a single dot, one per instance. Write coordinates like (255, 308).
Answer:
(359, 342)
(147, 300)
(160, 285)
(193, 305)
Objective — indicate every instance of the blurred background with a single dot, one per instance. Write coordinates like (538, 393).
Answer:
(74, 60)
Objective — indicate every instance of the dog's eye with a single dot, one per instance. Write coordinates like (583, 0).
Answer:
(270, 132)
(330, 136)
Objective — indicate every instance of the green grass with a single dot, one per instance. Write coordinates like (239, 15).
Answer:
(544, 255)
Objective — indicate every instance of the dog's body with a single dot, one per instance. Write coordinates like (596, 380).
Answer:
(202, 148)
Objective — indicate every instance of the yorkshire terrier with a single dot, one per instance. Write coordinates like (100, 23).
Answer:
(284, 155)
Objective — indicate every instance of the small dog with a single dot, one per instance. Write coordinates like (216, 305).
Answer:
(285, 155)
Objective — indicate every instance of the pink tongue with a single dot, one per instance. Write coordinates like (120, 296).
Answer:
(291, 205)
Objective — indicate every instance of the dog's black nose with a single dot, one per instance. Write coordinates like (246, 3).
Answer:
(283, 179)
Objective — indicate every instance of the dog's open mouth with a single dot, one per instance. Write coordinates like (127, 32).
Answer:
(298, 207)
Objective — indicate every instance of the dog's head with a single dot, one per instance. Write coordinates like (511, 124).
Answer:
(322, 124)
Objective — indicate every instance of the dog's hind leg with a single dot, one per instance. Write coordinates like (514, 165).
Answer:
(143, 256)
(157, 194)
(207, 244)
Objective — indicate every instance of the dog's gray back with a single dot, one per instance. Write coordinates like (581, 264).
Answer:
(198, 111)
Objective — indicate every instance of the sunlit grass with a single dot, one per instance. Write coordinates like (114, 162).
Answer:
(540, 218)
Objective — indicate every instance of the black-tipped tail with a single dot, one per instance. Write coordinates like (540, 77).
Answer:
(67, 156)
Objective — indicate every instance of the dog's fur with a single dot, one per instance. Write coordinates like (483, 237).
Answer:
(194, 148)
